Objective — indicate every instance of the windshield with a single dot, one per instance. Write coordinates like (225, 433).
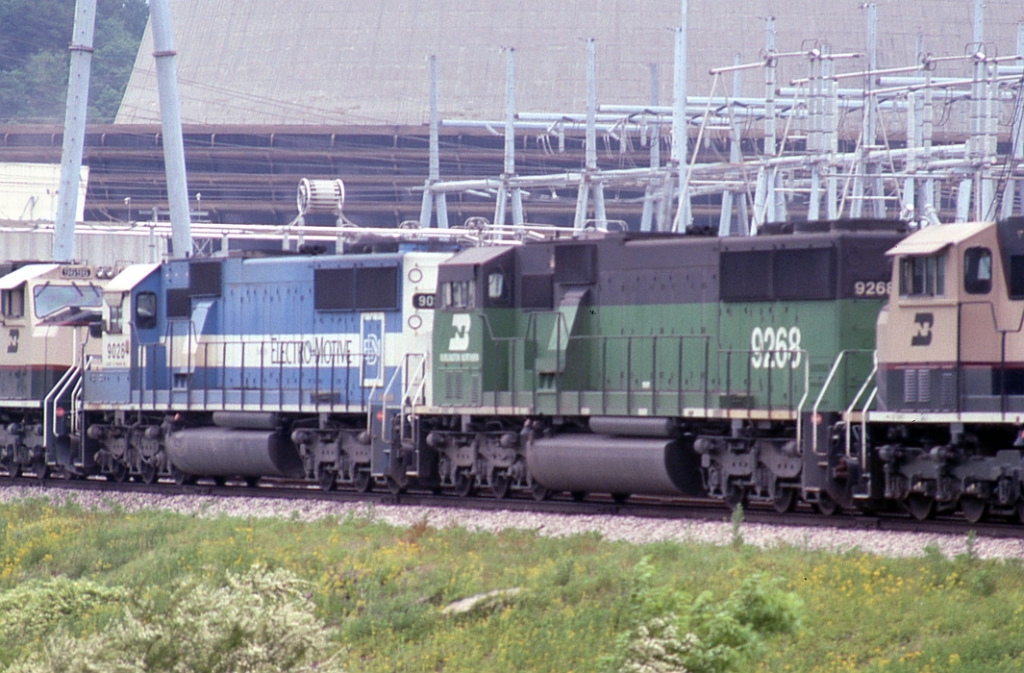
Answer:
(51, 298)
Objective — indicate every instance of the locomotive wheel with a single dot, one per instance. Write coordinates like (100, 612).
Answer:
(735, 496)
(363, 481)
(41, 469)
(500, 485)
(921, 507)
(541, 493)
(118, 473)
(826, 505)
(14, 470)
(394, 487)
(579, 496)
(182, 478)
(148, 473)
(973, 509)
(784, 500)
(220, 481)
(464, 485)
(326, 478)
(620, 498)
(252, 482)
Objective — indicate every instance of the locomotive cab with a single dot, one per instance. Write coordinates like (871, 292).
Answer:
(951, 371)
(950, 339)
(474, 297)
(46, 312)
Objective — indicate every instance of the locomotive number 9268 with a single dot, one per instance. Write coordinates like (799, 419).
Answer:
(775, 348)
(872, 288)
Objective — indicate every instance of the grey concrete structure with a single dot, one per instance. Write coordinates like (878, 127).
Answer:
(366, 61)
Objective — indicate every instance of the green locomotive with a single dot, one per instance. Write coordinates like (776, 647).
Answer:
(628, 363)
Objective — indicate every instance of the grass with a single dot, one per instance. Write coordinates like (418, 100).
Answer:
(379, 590)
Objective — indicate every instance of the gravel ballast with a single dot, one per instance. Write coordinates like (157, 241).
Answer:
(618, 528)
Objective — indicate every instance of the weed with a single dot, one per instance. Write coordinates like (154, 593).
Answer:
(737, 527)
(563, 572)
(970, 554)
(702, 635)
(417, 530)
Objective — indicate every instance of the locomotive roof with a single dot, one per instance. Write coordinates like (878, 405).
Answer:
(478, 255)
(930, 240)
(130, 277)
(16, 278)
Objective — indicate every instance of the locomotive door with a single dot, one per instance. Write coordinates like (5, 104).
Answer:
(371, 336)
(981, 357)
(371, 333)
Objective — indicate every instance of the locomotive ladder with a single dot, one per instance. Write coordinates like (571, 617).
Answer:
(69, 384)
(382, 413)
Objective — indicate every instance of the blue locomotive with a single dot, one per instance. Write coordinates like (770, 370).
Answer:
(251, 365)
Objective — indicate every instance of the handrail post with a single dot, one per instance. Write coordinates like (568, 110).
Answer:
(821, 395)
(629, 374)
(679, 375)
(805, 357)
(654, 375)
(856, 398)
(224, 375)
(864, 429)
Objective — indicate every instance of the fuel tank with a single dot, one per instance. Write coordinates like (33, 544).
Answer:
(593, 463)
(232, 452)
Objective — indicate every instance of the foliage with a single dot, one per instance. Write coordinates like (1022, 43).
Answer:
(258, 622)
(673, 632)
(584, 603)
(31, 610)
(736, 524)
(34, 57)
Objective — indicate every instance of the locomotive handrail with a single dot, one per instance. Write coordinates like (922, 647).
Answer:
(530, 333)
(631, 349)
(856, 398)
(50, 401)
(383, 397)
(864, 429)
(58, 391)
(803, 398)
(76, 392)
(770, 356)
(409, 401)
(825, 386)
(419, 379)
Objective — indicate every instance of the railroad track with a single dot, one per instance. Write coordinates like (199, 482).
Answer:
(642, 507)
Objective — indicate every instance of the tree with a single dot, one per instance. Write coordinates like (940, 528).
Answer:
(34, 57)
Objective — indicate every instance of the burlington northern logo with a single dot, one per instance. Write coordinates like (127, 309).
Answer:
(924, 322)
(460, 332)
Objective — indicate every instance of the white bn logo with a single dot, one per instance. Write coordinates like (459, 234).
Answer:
(460, 332)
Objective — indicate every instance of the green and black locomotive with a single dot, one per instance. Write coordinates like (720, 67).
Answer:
(625, 363)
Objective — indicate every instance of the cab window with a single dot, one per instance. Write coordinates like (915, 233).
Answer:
(115, 323)
(12, 302)
(145, 310)
(977, 270)
(51, 298)
(459, 294)
(497, 289)
(923, 276)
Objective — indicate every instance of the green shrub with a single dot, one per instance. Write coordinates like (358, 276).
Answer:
(32, 611)
(672, 632)
(258, 622)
